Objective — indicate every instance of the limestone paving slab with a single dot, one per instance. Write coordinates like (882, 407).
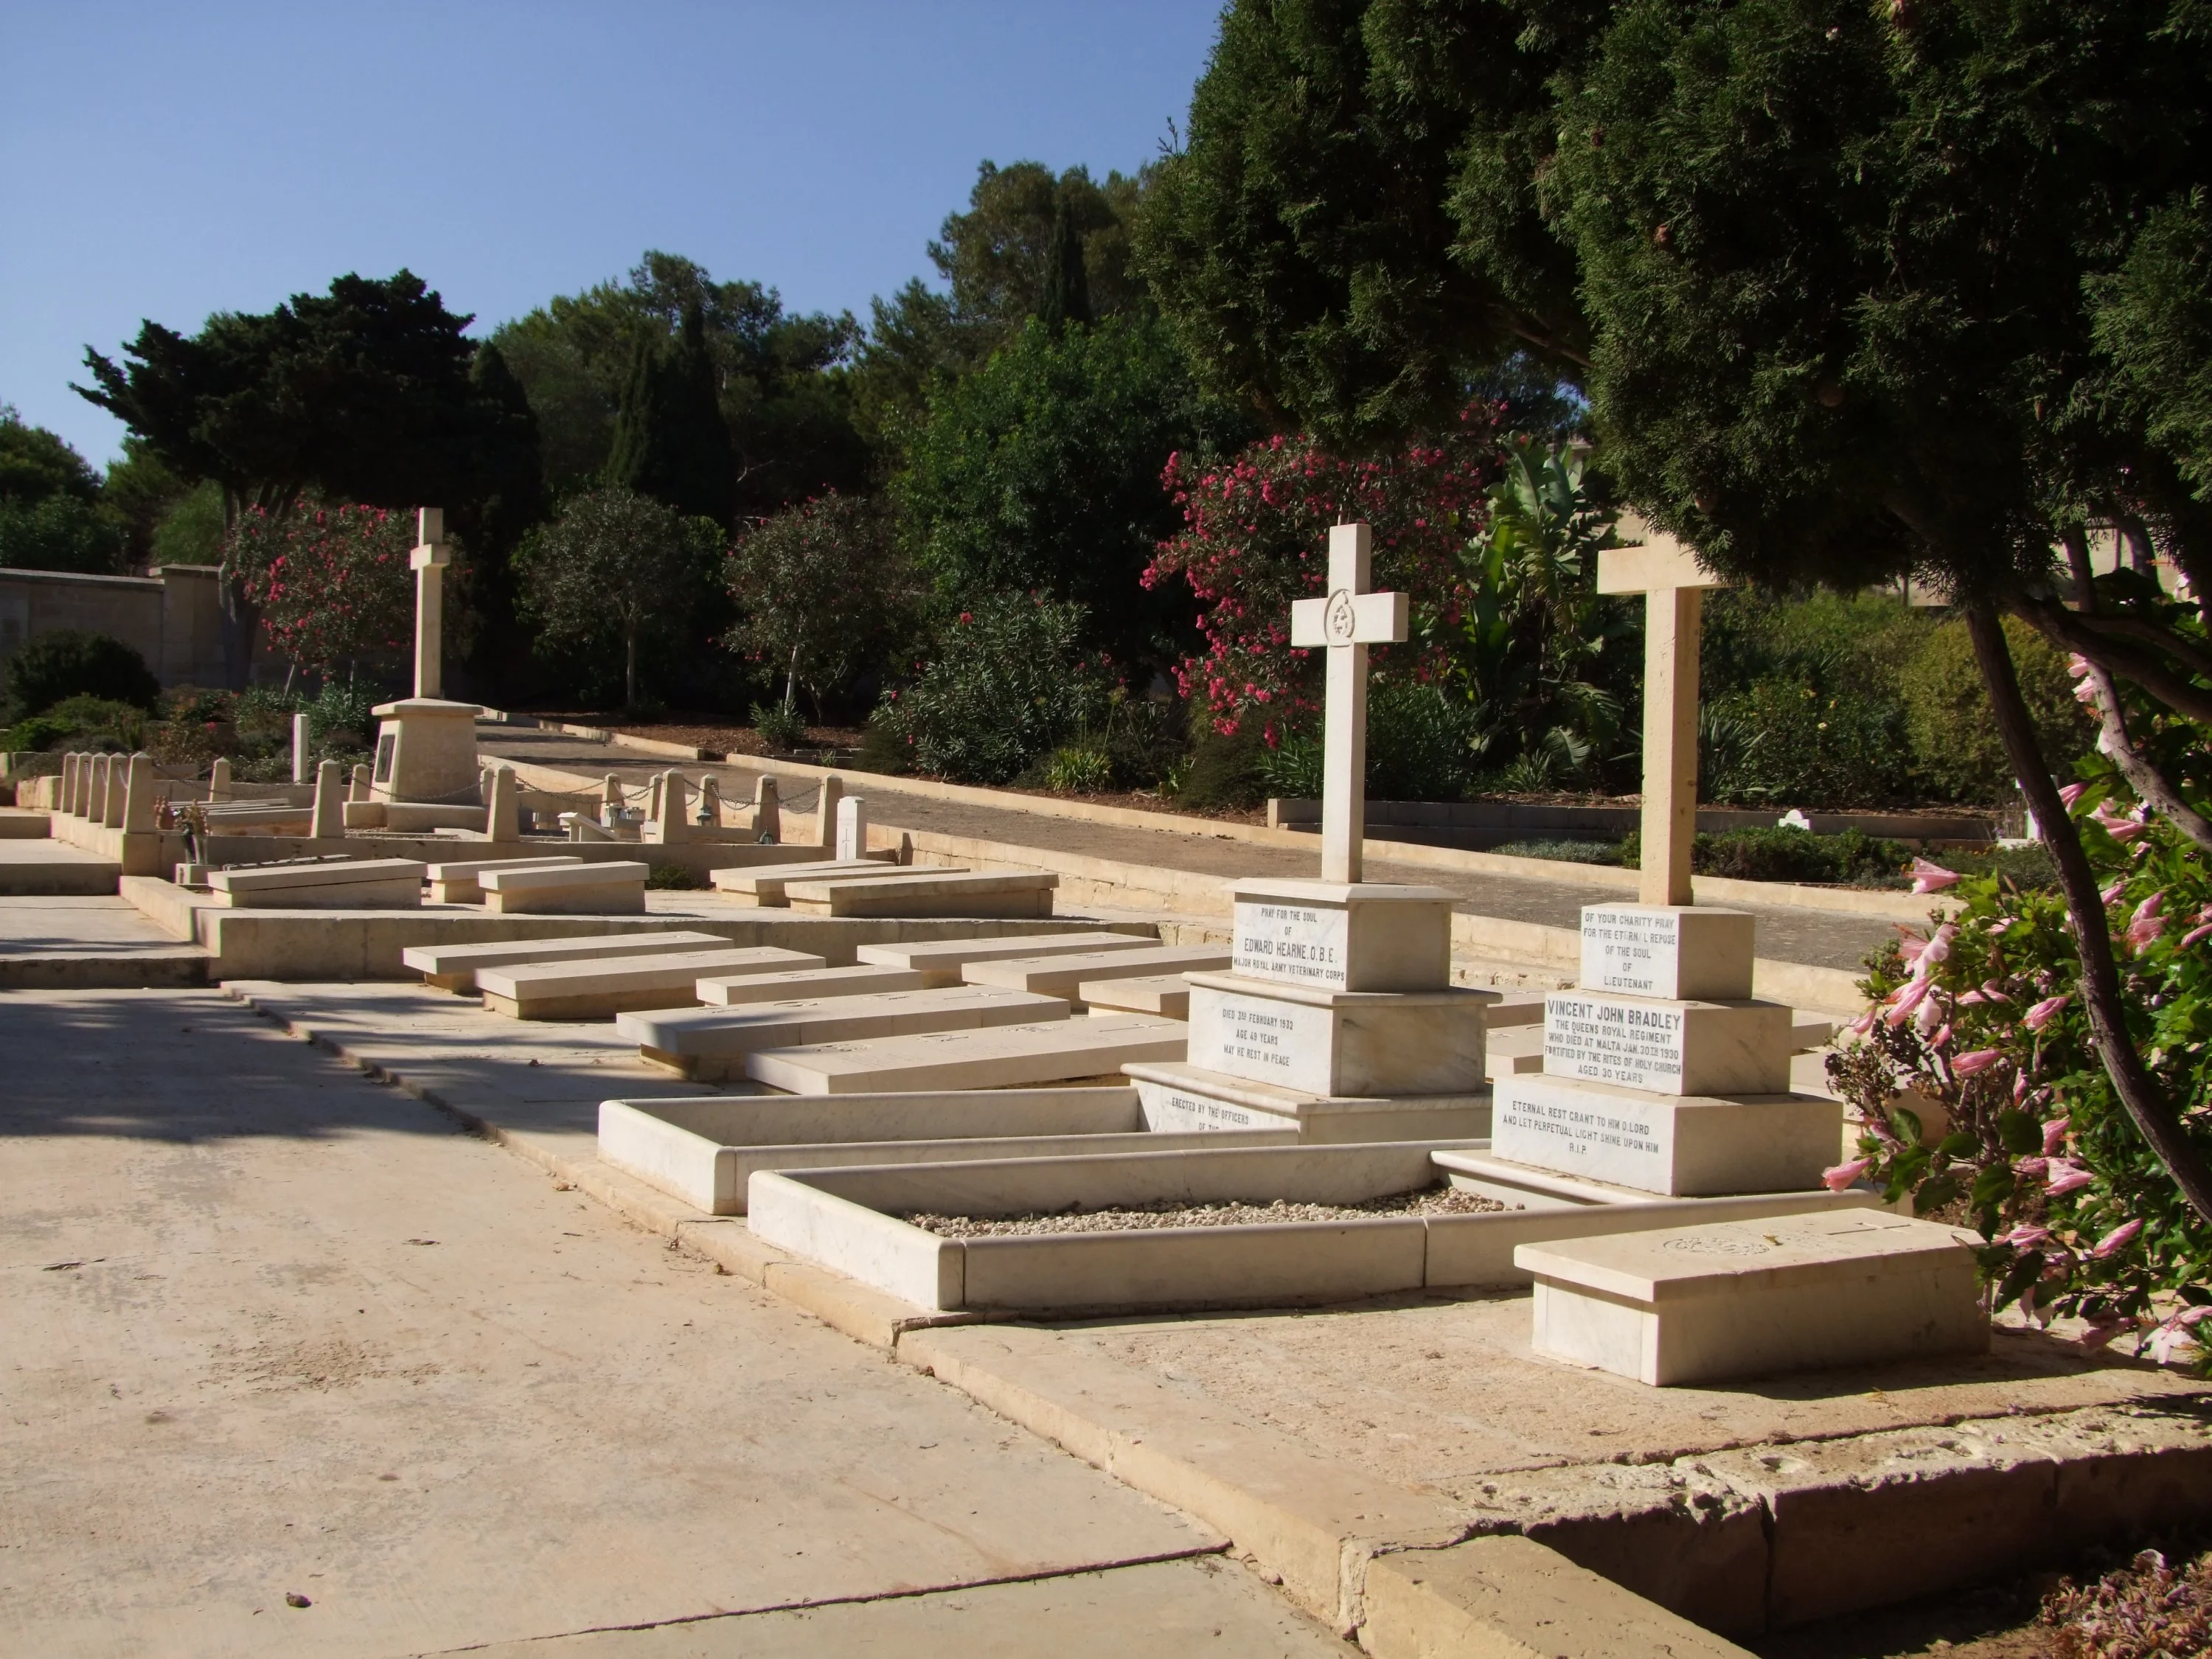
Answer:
(1359, 936)
(458, 882)
(944, 959)
(1711, 1302)
(600, 989)
(1685, 1145)
(1681, 1048)
(1006, 1056)
(356, 883)
(1183, 1097)
(926, 893)
(453, 966)
(1325, 1041)
(653, 1141)
(710, 1044)
(1060, 975)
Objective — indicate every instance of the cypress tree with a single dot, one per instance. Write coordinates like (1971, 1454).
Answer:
(671, 442)
(1067, 297)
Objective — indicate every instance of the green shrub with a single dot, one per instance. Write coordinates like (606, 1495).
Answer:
(1773, 853)
(1079, 769)
(342, 711)
(1008, 681)
(69, 663)
(1225, 771)
(1418, 748)
(1293, 769)
(883, 746)
(1785, 742)
(81, 722)
(1952, 730)
(780, 726)
(59, 533)
(670, 878)
(39, 733)
(1567, 852)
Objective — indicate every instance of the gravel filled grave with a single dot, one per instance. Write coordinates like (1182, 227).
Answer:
(1428, 1200)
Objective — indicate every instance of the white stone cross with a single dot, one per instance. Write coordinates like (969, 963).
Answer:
(428, 561)
(1346, 623)
(1667, 572)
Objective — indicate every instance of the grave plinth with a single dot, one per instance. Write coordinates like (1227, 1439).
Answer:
(426, 752)
(1342, 936)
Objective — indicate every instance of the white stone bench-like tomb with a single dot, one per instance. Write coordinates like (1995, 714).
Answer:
(1167, 995)
(1019, 893)
(711, 1044)
(943, 959)
(864, 979)
(705, 1151)
(598, 890)
(353, 885)
(601, 989)
(1060, 975)
(453, 966)
(1700, 1303)
(1005, 1057)
(765, 886)
(457, 882)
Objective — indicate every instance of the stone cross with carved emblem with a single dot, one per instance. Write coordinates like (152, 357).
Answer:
(1346, 623)
(428, 561)
(1667, 572)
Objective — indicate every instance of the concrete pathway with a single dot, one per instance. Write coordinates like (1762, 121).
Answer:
(276, 1333)
(1824, 939)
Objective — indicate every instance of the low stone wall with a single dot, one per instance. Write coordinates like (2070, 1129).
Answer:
(1481, 824)
(171, 617)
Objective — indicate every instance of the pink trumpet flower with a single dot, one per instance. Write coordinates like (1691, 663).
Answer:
(2085, 692)
(2118, 1239)
(2193, 935)
(1941, 1040)
(1903, 1001)
(1938, 949)
(2032, 1168)
(2042, 1013)
(1980, 1061)
(1864, 1023)
(2066, 1177)
(2072, 793)
(2111, 895)
(1971, 998)
(2120, 828)
(2077, 664)
(2021, 1238)
(1999, 929)
(2151, 906)
(2141, 933)
(1989, 990)
(1929, 1017)
(1843, 1174)
(1929, 877)
(2166, 1342)
(2054, 1136)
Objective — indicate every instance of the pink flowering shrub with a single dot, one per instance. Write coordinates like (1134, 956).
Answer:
(1255, 538)
(332, 583)
(1978, 1091)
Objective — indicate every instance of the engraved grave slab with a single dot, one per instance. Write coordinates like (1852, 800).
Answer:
(1674, 1047)
(1671, 950)
(1683, 1145)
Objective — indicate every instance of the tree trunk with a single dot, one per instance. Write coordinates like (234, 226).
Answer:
(2153, 1116)
(629, 667)
(791, 680)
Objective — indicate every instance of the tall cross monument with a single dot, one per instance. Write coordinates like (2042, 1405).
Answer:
(428, 561)
(1667, 572)
(1345, 622)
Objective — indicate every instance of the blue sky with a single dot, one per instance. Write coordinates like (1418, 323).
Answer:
(167, 161)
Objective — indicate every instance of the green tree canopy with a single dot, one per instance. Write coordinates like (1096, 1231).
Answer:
(819, 589)
(779, 379)
(1041, 472)
(51, 517)
(614, 570)
(671, 442)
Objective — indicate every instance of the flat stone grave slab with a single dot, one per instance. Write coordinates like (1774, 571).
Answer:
(1698, 1303)
(1338, 1042)
(710, 1044)
(923, 893)
(766, 886)
(859, 1223)
(1007, 1057)
(1338, 936)
(1181, 1096)
(453, 966)
(704, 1151)
(1672, 1047)
(457, 883)
(1167, 995)
(1684, 1146)
(600, 989)
(1059, 975)
(1677, 952)
(1514, 1051)
(944, 959)
(610, 889)
(356, 883)
(733, 991)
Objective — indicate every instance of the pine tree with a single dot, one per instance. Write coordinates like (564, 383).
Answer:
(671, 442)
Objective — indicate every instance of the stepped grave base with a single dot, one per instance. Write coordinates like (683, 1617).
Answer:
(1184, 1097)
(1682, 1145)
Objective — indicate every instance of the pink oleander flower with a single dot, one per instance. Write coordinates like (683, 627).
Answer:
(2117, 1240)
(2111, 895)
(1864, 1023)
(2085, 693)
(2121, 828)
(1971, 999)
(1909, 945)
(2042, 1013)
(2193, 935)
(2069, 793)
(2141, 933)
(1929, 1016)
(2151, 906)
(2065, 1177)
(1844, 1175)
(1928, 878)
(2031, 1168)
(2025, 1237)
(1904, 999)
(1938, 949)
(1941, 1040)
(1980, 1061)
(2077, 664)
(2166, 1340)
(2054, 1136)
(1989, 990)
